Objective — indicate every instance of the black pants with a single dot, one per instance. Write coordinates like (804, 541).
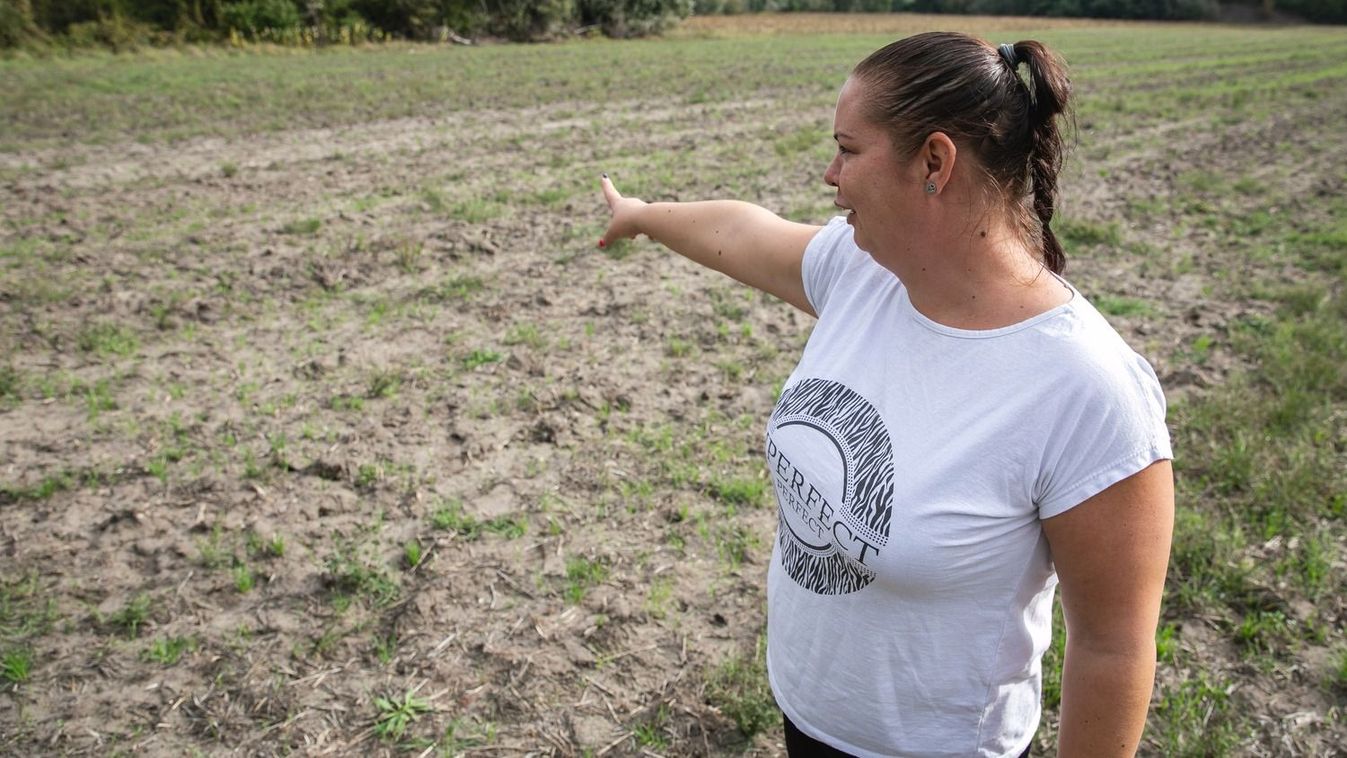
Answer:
(801, 745)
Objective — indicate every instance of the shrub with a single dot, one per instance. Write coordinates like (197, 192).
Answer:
(633, 18)
(255, 18)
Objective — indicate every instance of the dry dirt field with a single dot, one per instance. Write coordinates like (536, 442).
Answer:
(326, 429)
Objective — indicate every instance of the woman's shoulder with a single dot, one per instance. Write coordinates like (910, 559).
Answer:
(1084, 353)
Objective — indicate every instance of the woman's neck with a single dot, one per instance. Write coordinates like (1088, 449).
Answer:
(983, 278)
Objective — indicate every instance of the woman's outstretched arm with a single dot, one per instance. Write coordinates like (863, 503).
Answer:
(742, 240)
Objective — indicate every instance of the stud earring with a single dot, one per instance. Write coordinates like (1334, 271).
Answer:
(930, 188)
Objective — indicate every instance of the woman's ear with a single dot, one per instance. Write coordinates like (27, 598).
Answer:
(937, 155)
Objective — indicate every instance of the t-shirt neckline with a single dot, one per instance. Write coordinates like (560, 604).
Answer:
(905, 302)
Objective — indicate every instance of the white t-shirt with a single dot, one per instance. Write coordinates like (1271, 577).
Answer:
(910, 589)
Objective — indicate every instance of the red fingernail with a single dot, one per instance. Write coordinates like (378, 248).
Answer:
(602, 243)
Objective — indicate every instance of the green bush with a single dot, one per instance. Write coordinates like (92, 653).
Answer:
(16, 24)
(116, 33)
(256, 18)
(633, 18)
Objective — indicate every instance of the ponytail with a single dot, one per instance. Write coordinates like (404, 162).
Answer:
(1049, 89)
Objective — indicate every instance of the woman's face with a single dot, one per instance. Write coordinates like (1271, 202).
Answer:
(873, 182)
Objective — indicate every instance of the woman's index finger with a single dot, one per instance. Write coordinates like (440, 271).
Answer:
(610, 192)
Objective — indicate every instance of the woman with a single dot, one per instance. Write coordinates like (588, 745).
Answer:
(963, 432)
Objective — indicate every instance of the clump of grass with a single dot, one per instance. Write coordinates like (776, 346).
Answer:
(16, 665)
(304, 226)
(396, 714)
(413, 553)
(106, 339)
(480, 357)
(456, 287)
(739, 688)
(9, 384)
(476, 210)
(739, 491)
(244, 581)
(168, 650)
(1196, 717)
(1087, 233)
(351, 574)
(618, 249)
(451, 517)
(133, 615)
(1116, 305)
(581, 574)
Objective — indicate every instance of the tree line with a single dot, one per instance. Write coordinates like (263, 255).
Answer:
(121, 24)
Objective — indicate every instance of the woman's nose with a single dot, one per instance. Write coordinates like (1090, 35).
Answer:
(830, 173)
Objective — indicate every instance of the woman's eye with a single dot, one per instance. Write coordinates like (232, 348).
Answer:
(842, 150)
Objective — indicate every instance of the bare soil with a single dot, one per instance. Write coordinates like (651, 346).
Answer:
(334, 388)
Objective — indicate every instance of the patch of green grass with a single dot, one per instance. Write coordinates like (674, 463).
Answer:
(451, 517)
(802, 140)
(413, 553)
(10, 384)
(650, 734)
(1079, 232)
(581, 574)
(351, 573)
(508, 527)
(1196, 718)
(304, 226)
(456, 287)
(739, 490)
(384, 383)
(525, 334)
(168, 650)
(476, 210)
(244, 581)
(1117, 305)
(16, 665)
(618, 249)
(105, 339)
(480, 357)
(133, 615)
(739, 688)
(46, 487)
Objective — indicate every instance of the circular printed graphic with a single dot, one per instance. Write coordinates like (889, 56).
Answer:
(833, 523)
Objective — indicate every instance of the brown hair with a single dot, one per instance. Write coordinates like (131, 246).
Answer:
(962, 86)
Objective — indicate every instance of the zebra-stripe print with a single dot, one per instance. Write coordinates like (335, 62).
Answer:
(867, 498)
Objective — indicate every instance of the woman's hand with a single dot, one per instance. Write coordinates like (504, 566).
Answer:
(623, 224)
(749, 243)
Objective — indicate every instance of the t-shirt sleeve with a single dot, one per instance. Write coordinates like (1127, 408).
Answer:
(1109, 427)
(825, 258)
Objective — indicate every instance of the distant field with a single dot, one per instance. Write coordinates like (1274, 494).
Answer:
(325, 428)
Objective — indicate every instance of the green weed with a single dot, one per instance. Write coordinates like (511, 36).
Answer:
(244, 581)
(582, 574)
(480, 357)
(106, 339)
(351, 573)
(739, 688)
(739, 491)
(1196, 719)
(396, 714)
(412, 553)
(16, 665)
(303, 226)
(1113, 305)
(133, 615)
(1086, 233)
(167, 650)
